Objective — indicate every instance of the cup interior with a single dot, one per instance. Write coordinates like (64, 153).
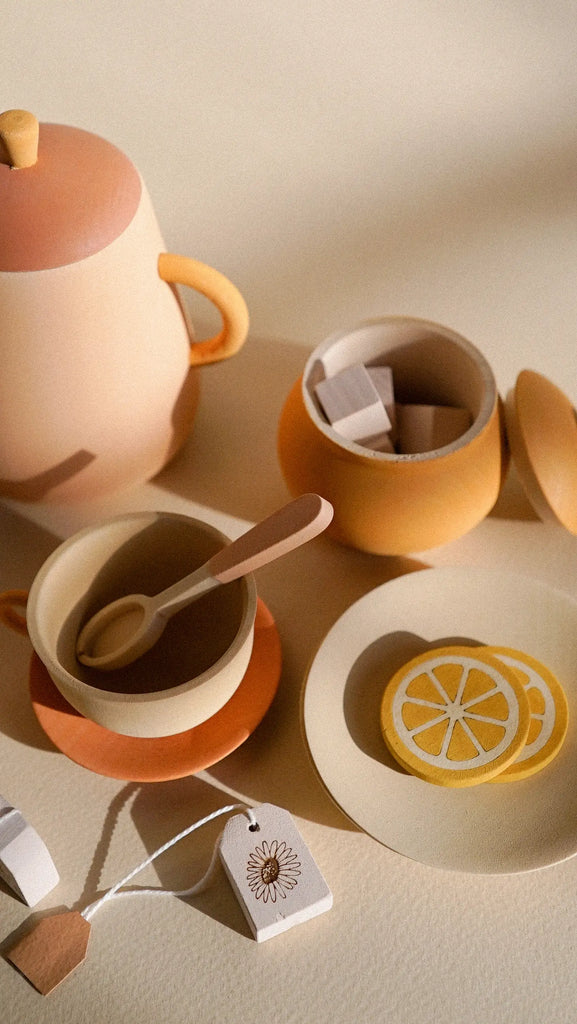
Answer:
(431, 366)
(140, 553)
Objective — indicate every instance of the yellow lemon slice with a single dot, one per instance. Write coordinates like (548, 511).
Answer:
(548, 710)
(455, 716)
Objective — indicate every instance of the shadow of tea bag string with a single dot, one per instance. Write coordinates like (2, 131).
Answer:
(266, 860)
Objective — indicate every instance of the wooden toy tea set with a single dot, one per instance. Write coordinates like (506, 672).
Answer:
(158, 658)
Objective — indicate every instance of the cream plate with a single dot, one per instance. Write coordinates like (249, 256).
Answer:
(485, 829)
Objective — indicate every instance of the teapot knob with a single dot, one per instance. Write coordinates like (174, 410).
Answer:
(18, 138)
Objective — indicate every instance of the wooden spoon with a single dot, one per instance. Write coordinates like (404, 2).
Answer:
(125, 629)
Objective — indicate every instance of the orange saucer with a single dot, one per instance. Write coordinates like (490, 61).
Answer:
(168, 757)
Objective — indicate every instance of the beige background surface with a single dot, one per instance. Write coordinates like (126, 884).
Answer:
(337, 162)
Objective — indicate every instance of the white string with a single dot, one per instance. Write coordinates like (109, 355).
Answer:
(90, 910)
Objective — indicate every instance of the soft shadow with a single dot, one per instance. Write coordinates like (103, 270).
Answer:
(513, 502)
(161, 812)
(35, 488)
(165, 809)
(91, 891)
(25, 546)
(275, 765)
(367, 680)
(17, 718)
(162, 551)
(229, 462)
(363, 258)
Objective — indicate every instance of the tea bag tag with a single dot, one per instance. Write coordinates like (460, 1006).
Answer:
(52, 950)
(25, 863)
(269, 865)
(272, 871)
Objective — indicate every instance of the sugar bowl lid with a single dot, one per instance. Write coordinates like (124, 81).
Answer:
(65, 193)
(542, 433)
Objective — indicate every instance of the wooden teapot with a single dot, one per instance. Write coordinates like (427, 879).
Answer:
(99, 381)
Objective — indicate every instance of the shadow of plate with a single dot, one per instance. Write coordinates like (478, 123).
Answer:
(367, 681)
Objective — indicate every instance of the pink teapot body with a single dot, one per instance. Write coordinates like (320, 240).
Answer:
(99, 380)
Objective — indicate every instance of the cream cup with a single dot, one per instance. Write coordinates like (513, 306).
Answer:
(197, 664)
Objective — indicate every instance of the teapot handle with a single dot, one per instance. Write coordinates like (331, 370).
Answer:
(10, 600)
(215, 286)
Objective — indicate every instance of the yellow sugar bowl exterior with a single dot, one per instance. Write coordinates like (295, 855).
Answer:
(388, 503)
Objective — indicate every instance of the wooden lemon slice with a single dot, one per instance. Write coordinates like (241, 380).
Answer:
(455, 716)
(548, 710)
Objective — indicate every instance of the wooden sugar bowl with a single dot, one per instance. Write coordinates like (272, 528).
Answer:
(399, 424)
(99, 381)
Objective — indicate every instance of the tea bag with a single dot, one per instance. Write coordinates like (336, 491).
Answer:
(52, 950)
(272, 872)
(264, 857)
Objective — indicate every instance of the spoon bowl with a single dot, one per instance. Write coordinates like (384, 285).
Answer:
(124, 630)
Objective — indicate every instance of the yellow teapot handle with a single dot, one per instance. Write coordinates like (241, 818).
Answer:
(214, 286)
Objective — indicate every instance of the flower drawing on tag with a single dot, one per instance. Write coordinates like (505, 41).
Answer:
(272, 871)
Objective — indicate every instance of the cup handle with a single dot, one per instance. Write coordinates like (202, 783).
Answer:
(10, 601)
(215, 286)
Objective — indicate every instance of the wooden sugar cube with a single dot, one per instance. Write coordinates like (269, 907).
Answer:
(424, 428)
(379, 442)
(317, 373)
(351, 404)
(382, 378)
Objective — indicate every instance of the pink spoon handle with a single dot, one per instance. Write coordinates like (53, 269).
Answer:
(294, 524)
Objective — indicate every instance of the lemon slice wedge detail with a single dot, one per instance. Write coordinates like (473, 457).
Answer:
(455, 716)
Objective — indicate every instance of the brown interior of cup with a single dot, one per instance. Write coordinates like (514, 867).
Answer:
(163, 551)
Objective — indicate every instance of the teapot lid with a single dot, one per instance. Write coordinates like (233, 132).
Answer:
(65, 193)
(542, 433)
